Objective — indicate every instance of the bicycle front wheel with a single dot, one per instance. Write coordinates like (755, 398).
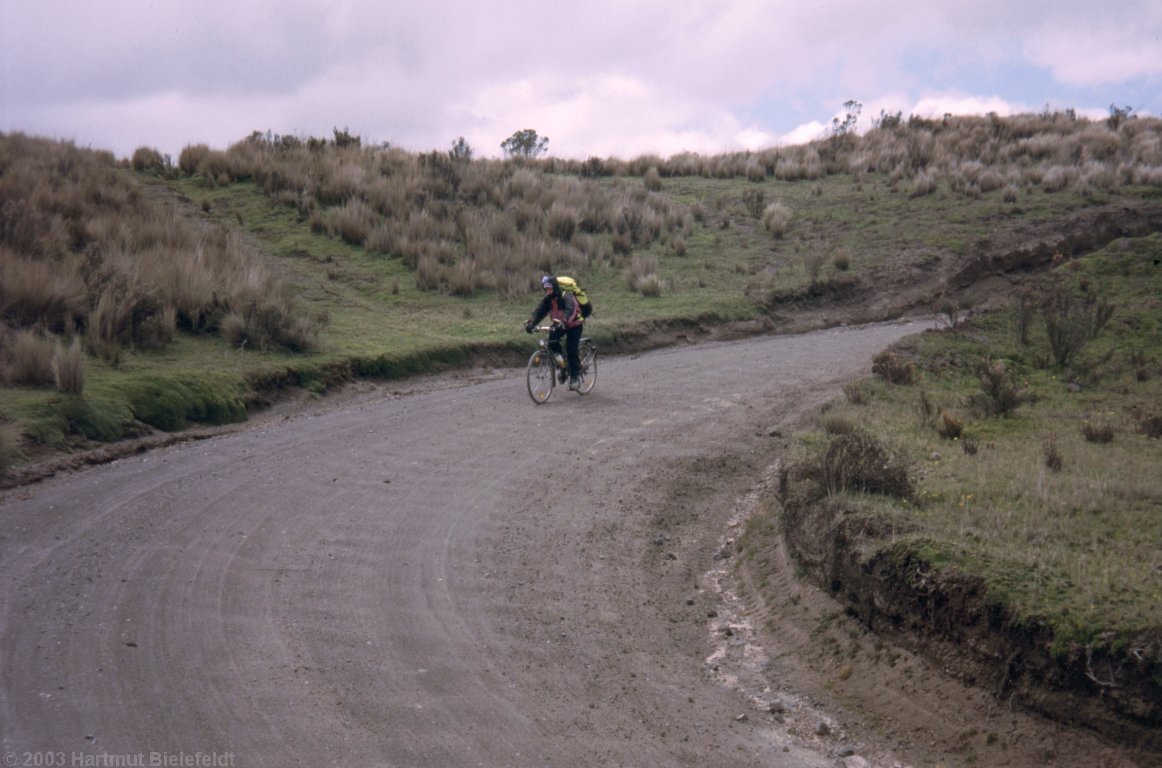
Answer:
(540, 376)
(588, 355)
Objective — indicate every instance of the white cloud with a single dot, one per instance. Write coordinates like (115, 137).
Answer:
(1101, 55)
(602, 78)
(940, 104)
(612, 115)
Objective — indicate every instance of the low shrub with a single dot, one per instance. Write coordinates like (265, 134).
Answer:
(950, 427)
(1054, 461)
(893, 369)
(1150, 425)
(1000, 394)
(1097, 433)
(754, 201)
(1072, 321)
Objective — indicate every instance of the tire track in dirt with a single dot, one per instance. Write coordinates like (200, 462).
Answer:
(455, 577)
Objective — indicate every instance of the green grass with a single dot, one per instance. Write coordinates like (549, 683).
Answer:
(374, 320)
(1076, 548)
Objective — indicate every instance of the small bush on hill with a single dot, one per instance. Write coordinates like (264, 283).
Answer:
(1072, 321)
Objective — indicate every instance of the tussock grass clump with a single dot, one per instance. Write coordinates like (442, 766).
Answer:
(652, 180)
(856, 461)
(813, 265)
(838, 424)
(642, 276)
(841, 260)
(68, 367)
(777, 218)
(27, 359)
(147, 159)
(923, 184)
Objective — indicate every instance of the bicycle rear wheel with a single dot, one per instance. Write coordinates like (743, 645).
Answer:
(588, 355)
(540, 376)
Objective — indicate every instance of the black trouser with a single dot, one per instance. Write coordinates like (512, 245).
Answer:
(572, 342)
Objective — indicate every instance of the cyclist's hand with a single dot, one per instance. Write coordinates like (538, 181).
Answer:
(528, 326)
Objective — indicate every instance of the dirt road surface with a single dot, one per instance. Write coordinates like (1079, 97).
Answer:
(451, 576)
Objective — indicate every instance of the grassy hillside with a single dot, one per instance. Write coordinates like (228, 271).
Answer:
(145, 295)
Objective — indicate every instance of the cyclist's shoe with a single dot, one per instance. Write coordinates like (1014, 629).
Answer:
(574, 383)
(562, 376)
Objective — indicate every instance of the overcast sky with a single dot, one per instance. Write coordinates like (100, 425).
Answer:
(598, 78)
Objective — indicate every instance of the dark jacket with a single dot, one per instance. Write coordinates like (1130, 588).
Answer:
(559, 306)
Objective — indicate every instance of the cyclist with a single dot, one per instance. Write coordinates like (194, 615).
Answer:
(563, 308)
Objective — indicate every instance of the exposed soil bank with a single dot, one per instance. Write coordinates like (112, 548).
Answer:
(1113, 688)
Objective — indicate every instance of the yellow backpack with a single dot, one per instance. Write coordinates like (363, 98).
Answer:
(570, 285)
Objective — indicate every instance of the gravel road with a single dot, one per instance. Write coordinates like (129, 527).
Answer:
(452, 576)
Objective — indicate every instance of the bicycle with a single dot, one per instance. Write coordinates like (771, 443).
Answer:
(547, 367)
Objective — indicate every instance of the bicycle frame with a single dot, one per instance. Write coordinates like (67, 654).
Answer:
(545, 367)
